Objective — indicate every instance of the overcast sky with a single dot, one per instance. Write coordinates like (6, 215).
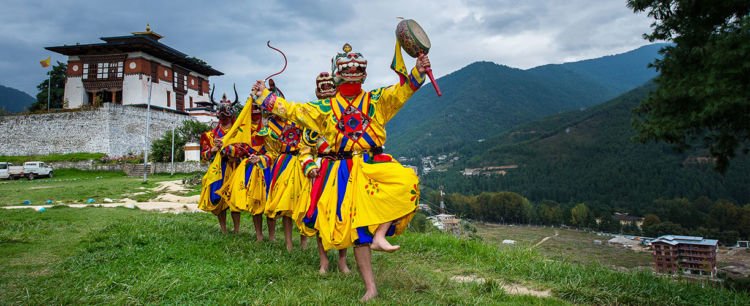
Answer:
(231, 35)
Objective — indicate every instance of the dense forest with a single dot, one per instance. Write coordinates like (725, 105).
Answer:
(722, 219)
(589, 156)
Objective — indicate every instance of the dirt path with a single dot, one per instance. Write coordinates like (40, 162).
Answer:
(513, 289)
(169, 200)
(150, 206)
(545, 239)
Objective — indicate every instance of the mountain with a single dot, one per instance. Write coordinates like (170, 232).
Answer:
(485, 99)
(14, 100)
(589, 156)
(619, 73)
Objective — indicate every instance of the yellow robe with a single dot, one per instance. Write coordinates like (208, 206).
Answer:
(367, 190)
(289, 181)
(219, 171)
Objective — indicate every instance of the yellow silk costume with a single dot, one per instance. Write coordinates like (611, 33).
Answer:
(219, 171)
(245, 189)
(367, 189)
(293, 161)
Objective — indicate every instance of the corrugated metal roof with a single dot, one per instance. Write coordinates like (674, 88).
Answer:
(677, 239)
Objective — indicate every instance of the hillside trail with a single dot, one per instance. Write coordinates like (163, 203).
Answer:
(169, 200)
(545, 239)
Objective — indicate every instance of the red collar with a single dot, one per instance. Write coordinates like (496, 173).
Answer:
(350, 89)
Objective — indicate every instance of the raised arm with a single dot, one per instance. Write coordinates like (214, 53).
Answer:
(392, 98)
(310, 115)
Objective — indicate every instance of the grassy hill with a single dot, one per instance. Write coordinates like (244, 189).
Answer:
(588, 156)
(485, 99)
(123, 256)
(14, 100)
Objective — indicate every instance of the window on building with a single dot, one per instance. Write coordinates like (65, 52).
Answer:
(184, 82)
(85, 71)
(174, 80)
(106, 70)
(102, 70)
(191, 102)
(169, 98)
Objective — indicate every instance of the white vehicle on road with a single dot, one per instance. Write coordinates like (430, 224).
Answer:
(36, 169)
(9, 171)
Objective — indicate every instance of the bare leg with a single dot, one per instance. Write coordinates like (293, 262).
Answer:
(271, 228)
(287, 232)
(303, 242)
(236, 221)
(363, 255)
(343, 267)
(323, 258)
(379, 243)
(223, 221)
(258, 224)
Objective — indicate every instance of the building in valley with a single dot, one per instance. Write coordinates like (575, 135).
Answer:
(685, 254)
(120, 70)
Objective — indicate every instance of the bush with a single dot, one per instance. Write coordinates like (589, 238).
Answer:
(161, 149)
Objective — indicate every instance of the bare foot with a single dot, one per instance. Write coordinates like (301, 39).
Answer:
(383, 245)
(344, 268)
(259, 238)
(323, 267)
(369, 295)
(289, 247)
(303, 244)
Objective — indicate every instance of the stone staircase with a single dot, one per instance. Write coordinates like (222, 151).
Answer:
(137, 169)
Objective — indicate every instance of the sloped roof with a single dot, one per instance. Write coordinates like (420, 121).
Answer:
(133, 43)
(677, 239)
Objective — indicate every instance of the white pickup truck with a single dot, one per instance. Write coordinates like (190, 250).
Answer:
(29, 170)
(9, 171)
(34, 169)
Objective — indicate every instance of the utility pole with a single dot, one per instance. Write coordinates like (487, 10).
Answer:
(145, 139)
(173, 124)
(442, 203)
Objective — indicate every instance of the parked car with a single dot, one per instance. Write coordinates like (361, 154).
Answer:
(9, 171)
(35, 169)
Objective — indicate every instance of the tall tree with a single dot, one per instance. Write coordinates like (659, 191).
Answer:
(579, 215)
(704, 81)
(57, 91)
(161, 149)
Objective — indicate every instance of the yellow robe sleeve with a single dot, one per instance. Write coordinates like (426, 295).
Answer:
(307, 159)
(394, 97)
(309, 115)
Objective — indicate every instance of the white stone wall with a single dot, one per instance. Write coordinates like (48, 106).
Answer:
(112, 129)
(135, 89)
(74, 92)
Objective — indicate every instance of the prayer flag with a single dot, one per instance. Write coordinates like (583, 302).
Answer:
(45, 62)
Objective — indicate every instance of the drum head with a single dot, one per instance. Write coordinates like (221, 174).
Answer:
(419, 35)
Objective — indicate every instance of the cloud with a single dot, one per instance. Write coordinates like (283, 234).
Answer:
(231, 35)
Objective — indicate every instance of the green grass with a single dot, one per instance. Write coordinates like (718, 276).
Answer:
(569, 245)
(122, 256)
(76, 186)
(55, 157)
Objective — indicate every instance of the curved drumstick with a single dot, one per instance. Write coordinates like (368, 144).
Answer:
(268, 43)
(285, 61)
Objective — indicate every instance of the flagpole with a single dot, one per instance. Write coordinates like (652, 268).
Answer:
(49, 86)
(145, 139)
